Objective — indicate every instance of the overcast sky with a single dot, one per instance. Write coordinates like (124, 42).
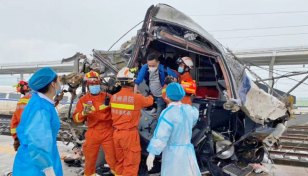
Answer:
(34, 30)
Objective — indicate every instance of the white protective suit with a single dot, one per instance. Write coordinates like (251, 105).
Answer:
(172, 137)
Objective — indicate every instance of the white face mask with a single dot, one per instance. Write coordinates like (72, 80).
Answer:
(152, 69)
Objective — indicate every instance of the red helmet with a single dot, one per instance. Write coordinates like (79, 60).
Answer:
(92, 77)
(189, 86)
(22, 86)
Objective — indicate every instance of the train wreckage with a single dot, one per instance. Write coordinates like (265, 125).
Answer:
(237, 119)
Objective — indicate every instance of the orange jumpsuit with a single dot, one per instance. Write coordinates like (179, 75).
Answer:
(125, 109)
(100, 131)
(22, 102)
(184, 76)
(185, 100)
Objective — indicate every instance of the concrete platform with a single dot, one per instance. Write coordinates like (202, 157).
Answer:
(7, 155)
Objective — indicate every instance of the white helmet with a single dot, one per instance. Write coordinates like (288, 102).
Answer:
(126, 74)
(187, 61)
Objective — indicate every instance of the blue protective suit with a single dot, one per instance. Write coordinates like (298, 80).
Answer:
(37, 133)
(172, 137)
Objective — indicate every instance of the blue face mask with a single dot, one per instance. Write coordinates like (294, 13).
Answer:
(180, 69)
(95, 89)
(58, 92)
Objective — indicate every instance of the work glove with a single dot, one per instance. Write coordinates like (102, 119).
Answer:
(49, 172)
(150, 161)
(16, 144)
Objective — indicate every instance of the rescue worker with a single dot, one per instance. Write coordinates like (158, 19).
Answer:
(24, 89)
(125, 109)
(172, 136)
(185, 66)
(94, 106)
(154, 75)
(37, 131)
(190, 88)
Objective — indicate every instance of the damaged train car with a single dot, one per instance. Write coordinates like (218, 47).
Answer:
(237, 120)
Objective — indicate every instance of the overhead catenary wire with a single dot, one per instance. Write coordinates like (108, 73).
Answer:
(256, 13)
(271, 35)
(258, 28)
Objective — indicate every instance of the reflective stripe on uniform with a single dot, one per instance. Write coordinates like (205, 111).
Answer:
(187, 83)
(112, 171)
(190, 89)
(163, 90)
(103, 107)
(13, 130)
(89, 175)
(23, 101)
(122, 106)
(76, 117)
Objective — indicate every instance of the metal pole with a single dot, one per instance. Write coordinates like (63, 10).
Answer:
(299, 83)
(21, 77)
(283, 76)
(270, 72)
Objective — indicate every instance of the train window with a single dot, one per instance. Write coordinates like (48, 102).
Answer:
(2, 95)
(65, 98)
(14, 96)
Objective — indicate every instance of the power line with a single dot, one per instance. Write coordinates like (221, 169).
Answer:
(274, 35)
(274, 72)
(263, 13)
(247, 29)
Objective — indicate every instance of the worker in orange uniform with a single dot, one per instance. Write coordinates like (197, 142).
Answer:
(189, 86)
(185, 66)
(94, 106)
(125, 109)
(24, 89)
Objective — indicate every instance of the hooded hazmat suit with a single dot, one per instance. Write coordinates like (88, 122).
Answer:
(172, 137)
(37, 133)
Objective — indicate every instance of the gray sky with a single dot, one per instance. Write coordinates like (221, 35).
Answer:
(35, 30)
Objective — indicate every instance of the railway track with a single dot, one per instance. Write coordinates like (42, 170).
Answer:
(293, 150)
(294, 147)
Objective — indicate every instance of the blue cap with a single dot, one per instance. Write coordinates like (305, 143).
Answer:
(41, 78)
(175, 91)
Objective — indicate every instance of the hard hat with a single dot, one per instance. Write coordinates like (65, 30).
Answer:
(22, 85)
(92, 77)
(187, 61)
(126, 74)
(189, 86)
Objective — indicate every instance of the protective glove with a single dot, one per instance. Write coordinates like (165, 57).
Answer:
(49, 172)
(150, 161)
(16, 144)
